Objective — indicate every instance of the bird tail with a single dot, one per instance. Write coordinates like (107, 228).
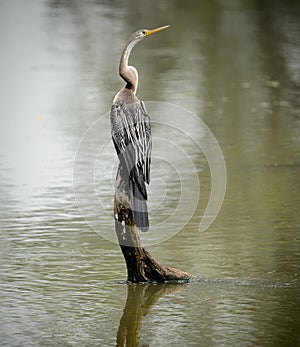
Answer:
(139, 203)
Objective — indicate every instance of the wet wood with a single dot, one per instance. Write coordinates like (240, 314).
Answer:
(141, 266)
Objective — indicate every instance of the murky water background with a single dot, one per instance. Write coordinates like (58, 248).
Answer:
(235, 64)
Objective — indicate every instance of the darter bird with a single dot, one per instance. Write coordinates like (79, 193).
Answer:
(131, 133)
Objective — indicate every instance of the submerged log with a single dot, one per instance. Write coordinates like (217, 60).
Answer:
(141, 266)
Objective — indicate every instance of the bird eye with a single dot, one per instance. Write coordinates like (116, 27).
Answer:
(144, 32)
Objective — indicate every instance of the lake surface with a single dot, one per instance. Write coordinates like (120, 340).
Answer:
(230, 66)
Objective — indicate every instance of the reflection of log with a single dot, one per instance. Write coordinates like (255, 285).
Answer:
(140, 299)
(141, 266)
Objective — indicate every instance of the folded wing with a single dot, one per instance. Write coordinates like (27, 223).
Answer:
(131, 134)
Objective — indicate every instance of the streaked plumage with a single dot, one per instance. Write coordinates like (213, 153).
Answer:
(131, 134)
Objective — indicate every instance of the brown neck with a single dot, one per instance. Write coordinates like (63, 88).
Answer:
(128, 73)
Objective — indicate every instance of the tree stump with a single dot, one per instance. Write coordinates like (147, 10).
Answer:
(141, 266)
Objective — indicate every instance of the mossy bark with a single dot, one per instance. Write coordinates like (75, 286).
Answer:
(141, 266)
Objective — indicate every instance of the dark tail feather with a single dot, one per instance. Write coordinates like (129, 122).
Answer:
(139, 205)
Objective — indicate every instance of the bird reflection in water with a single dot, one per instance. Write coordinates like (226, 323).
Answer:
(140, 300)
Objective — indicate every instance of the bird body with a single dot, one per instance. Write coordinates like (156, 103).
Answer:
(131, 134)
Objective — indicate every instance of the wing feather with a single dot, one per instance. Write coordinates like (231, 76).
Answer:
(131, 134)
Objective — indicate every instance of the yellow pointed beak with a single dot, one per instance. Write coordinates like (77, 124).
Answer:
(150, 32)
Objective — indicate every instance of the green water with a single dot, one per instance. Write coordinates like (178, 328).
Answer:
(236, 66)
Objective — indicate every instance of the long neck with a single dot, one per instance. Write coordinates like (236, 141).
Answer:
(127, 72)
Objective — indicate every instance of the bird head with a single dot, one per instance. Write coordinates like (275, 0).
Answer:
(141, 34)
